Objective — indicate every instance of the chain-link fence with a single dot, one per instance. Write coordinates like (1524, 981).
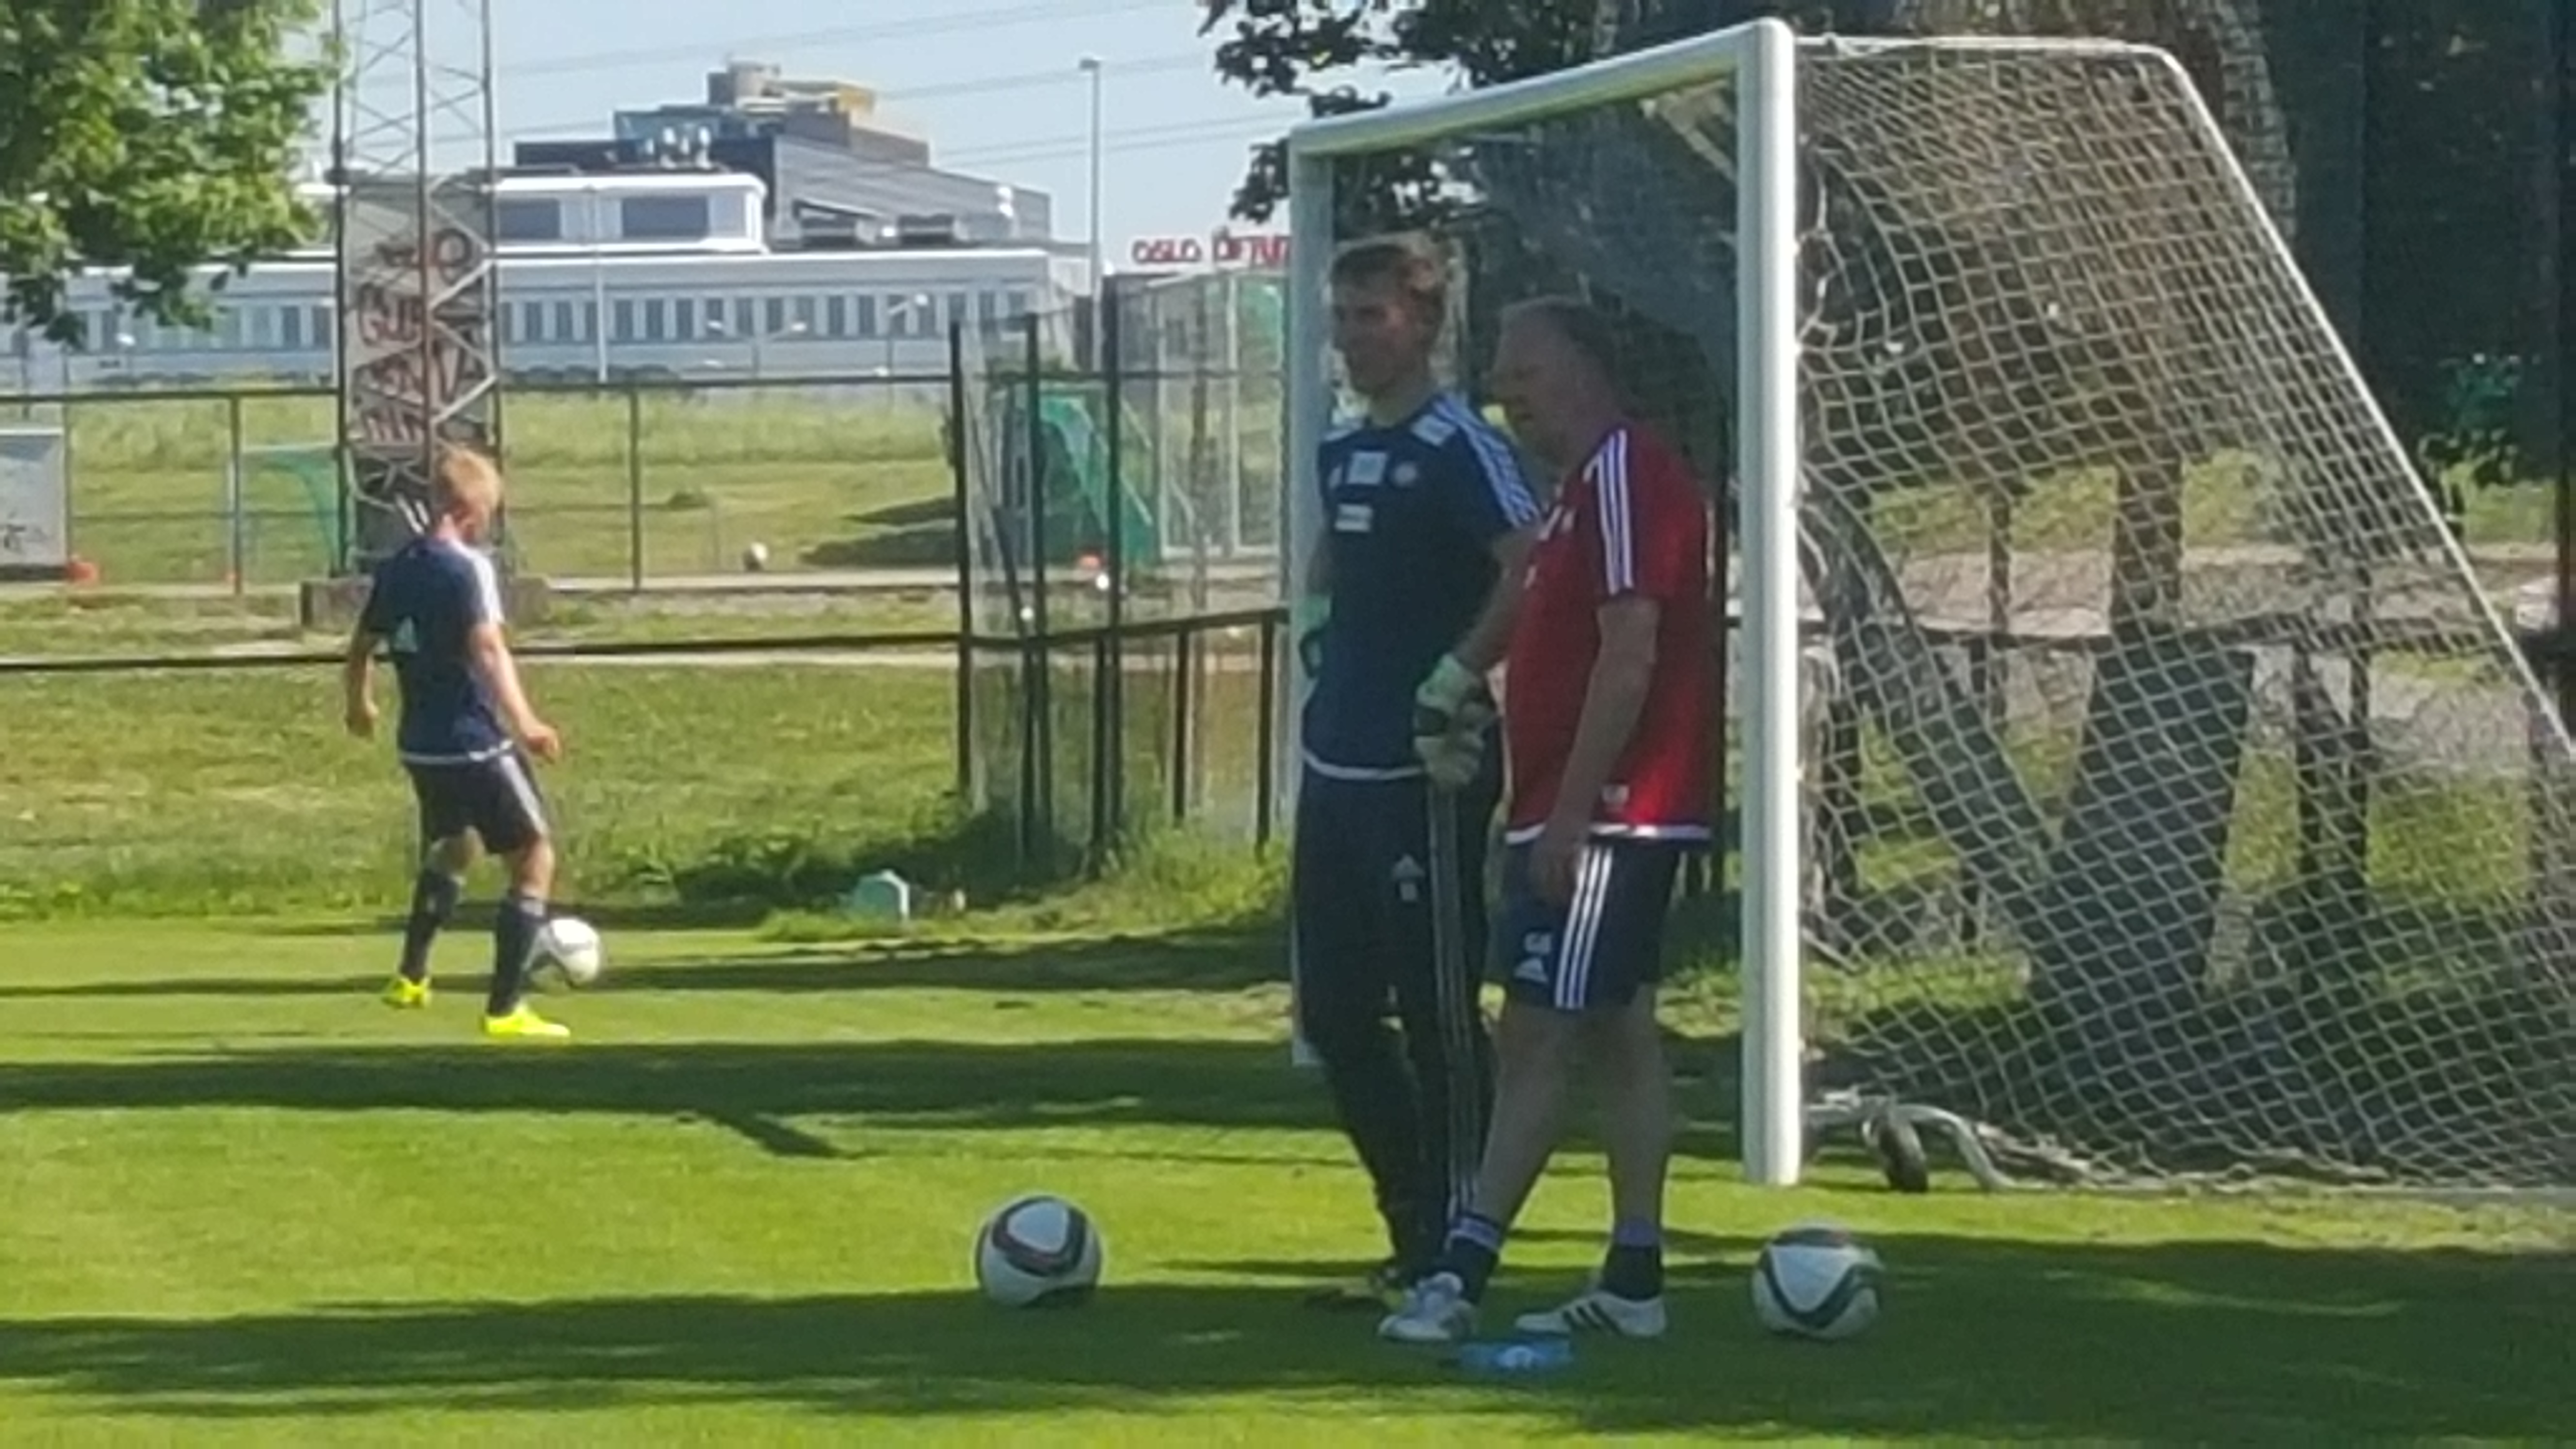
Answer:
(626, 484)
(1122, 571)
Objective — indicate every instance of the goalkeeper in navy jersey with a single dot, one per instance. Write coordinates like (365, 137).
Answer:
(465, 737)
(1427, 524)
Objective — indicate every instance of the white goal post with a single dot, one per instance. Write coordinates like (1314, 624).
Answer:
(2185, 527)
(1764, 55)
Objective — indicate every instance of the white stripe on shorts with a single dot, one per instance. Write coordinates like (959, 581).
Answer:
(515, 771)
(1582, 933)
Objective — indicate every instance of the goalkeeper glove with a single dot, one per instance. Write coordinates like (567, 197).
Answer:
(1450, 712)
(1453, 758)
(1306, 620)
(1437, 700)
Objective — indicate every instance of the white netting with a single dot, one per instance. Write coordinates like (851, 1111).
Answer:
(2177, 803)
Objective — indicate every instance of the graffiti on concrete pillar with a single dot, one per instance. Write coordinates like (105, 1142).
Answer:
(416, 346)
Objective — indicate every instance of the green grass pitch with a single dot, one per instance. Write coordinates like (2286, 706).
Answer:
(246, 1205)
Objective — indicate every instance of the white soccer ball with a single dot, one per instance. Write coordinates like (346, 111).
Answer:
(1037, 1249)
(755, 557)
(1816, 1281)
(568, 950)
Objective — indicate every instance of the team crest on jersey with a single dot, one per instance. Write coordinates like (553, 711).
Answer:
(1434, 429)
(1367, 470)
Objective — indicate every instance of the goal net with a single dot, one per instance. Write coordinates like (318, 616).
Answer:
(2169, 797)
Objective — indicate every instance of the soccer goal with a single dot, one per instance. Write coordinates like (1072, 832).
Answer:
(2131, 768)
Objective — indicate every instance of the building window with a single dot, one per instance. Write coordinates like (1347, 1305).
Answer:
(622, 316)
(322, 325)
(662, 218)
(656, 321)
(744, 324)
(715, 309)
(958, 305)
(1019, 304)
(567, 322)
(777, 310)
(589, 322)
(290, 329)
(836, 316)
(684, 318)
(867, 317)
(988, 308)
(527, 219)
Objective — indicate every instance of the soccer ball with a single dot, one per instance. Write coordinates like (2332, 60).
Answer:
(1816, 1281)
(1037, 1249)
(755, 557)
(568, 951)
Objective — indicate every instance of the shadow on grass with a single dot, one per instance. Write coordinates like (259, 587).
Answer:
(1223, 960)
(939, 1086)
(1982, 1339)
(475, 914)
(792, 1100)
(917, 533)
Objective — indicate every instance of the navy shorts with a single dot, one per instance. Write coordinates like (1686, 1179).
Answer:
(1598, 951)
(1388, 896)
(497, 799)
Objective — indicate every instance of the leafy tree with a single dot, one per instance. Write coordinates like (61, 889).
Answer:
(1307, 47)
(150, 135)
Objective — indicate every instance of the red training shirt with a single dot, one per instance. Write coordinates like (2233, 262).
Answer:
(1631, 521)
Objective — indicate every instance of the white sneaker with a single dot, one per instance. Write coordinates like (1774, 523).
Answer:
(1436, 1310)
(1598, 1310)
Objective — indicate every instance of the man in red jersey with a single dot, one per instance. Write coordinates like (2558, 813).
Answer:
(1608, 697)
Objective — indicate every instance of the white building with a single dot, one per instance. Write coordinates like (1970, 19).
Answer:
(667, 274)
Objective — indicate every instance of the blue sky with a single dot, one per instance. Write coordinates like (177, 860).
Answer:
(994, 85)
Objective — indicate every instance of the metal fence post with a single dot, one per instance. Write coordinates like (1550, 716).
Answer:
(1038, 654)
(71, 480)
(1265, 799)
(962, 492)
(237, 480)
(1187, 653)
(634, 488)
(1109, 774)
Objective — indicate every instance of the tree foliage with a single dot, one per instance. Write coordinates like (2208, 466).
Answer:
(1309, 48)
(153, 136)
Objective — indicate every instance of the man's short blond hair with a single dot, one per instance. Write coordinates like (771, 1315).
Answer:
(465, 477)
